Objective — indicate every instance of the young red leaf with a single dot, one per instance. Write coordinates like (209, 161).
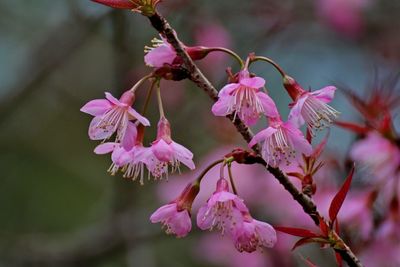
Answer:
(308, 262)
(323, 226)
(318, 150)
(296, 231)
(308, 240)
(339, 259)
(352, 127)
(338, 200)
(123, 4)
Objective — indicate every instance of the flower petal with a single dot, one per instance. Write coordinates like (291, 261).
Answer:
(268, 104)
(255, 82)
(299, 141)
(157, 57)
(163, 213)
(100, 133)
(129, 138)
(96, 107)
(162, 150)
(262, 135)
(139, 117)
(112, 99)
(105, 148)
(325, 94)
(184, 155)
(295, 116)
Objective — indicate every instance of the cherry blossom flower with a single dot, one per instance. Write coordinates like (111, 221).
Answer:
(160, 53)
(112, 115)
(386, 156)
(176, 221)
(311, 107)
(223, 210)
(175, 216)
(245, 99)
(167, 152)
(253, 234)
(281, 142)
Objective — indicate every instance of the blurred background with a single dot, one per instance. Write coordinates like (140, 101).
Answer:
(60, 207)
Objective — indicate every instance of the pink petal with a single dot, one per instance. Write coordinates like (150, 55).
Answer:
(157, 57)
(99, 133)
(204, 222)
(228, 89)
(298, 140)
(220, 108)
(139, 117)
(255, 82)
(162, 150)
(113, 99)
(295, 116)
(325, 94)
(266, 233)
(129, 137)
(120, 156)
(268, 104)
(163, 213)
(180, 223)
(96, 107)
(105, 148)
(262, 135)
(184, 155)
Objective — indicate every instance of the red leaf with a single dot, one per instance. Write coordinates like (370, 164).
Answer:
(308, 262)
(318, 150)
(323, 226)
(296, 231)
(352, 127)
(303, 241)
(339, 259)
(338, 200)
(123, 4)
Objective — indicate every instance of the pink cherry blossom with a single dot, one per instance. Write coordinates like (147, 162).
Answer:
(386, 156)
(112, 115)
(253, 234)
(177, 221)
(119, 155)
(312, 108)
(281, 141)
(245, 99)
(167, 152)
(223, 210)
(159, 54)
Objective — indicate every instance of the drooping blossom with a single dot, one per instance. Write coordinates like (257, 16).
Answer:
(311, 107)
(161, 53)
(119, 155)
(112, 115)
(166, 152)
(245, 99)
(175, 216)
(281, 142)
(253, 234)
(223, 210)
(379, 154)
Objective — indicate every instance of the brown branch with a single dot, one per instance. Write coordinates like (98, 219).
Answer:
(196, 76)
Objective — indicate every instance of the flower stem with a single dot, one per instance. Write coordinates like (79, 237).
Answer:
(270, 61)
(204, 172)
(159, 100)
(141, 81)
(231, 179)
(148, 97)
(228, 51)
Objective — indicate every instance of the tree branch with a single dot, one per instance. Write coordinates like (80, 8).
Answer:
(196, 76)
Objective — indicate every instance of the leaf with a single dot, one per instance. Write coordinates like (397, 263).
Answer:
(318, 150)
(323, 226)
(303, 241)
(339, 259)
(123, 4)
(352, 127)
(308, 262)
(296, 231)
(338, 200)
